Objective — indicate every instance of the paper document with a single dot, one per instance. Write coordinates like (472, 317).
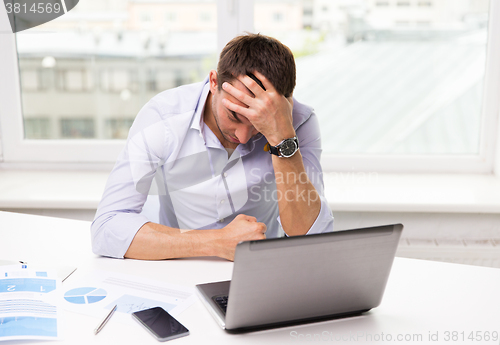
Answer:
(29, 304)
(63, 272)
(102, 290)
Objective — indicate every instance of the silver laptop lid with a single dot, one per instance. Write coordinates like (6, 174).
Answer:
(297, 278)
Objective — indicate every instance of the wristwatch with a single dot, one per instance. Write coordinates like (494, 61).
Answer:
(286, 148)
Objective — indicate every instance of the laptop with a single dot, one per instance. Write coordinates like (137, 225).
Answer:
(285, 281)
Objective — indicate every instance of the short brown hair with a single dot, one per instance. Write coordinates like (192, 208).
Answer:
(255, 52)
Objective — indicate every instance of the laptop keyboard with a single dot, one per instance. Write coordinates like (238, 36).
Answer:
(221, 301)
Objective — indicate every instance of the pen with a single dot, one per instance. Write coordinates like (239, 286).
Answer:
(105, 320)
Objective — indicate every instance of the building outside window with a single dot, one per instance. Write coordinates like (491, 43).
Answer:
(38, 128)
(424, 3)
(77, 128)
(401, 86)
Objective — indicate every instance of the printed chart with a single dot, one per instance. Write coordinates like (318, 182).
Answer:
(128, 304)
(85, 295)
(93, 292)
(29, 304)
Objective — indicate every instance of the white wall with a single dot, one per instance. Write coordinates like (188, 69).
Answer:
(456, 226)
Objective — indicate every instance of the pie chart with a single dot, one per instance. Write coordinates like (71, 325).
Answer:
(85, 295)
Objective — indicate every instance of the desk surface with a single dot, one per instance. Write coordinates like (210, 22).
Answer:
(422, 298)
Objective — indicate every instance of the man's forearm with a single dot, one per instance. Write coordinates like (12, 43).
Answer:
(299, 202)
(156, 242)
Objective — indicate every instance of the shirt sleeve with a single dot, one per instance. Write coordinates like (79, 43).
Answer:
(118, 215)
(310, 148)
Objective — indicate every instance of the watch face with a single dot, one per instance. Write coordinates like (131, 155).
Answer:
(288, 148)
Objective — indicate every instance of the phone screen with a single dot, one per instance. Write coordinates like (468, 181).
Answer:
(160, 323)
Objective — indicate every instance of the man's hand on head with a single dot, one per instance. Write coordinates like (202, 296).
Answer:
(268, 111)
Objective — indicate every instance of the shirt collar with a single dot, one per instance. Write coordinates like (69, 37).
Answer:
(197, 122)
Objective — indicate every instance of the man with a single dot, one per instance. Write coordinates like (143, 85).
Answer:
(204, 151)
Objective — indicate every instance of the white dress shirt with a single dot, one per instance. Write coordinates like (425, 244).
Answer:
(171, 154)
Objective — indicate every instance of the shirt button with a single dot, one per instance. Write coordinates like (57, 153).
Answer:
(221, 220)
(222, 201)
(201, 135)
(225, 174)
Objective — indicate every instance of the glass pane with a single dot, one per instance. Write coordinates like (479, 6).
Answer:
(85, 75)
(387, 77)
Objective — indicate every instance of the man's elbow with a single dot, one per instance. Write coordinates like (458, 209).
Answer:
(101, 245)
(96, 239)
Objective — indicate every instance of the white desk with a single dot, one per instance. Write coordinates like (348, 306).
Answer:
(421, 297)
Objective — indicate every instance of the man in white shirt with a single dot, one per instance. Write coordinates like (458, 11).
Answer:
(233, 158)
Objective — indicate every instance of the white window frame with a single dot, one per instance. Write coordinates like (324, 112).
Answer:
(487, 161)
(235, 17)
(16, 149)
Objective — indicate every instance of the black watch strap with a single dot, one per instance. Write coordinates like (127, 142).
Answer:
(275, 150)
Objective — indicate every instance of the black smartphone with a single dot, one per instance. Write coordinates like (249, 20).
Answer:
(160, 323)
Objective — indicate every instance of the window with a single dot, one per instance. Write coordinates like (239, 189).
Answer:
(107, 69)
(77, 128)
(152, 82)
(30, 80)
(278, 17)
(146, 17)
(391, 87)
(424, 4)
(74, 80)
(205, 16)
(170, 16)
(413, 89)
(117, 80)
(84, 76)
(273, 17)
(37, 128)
(118, 128)
(308, 12)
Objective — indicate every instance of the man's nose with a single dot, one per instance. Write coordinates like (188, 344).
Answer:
(245, 133)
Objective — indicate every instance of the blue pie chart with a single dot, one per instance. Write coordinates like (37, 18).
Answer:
(85, 295)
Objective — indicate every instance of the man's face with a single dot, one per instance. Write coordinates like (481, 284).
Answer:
(233, 128)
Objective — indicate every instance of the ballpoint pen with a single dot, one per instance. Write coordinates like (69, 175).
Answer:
(105, 320)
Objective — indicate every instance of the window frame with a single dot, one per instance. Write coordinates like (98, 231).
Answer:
(234, 17)
(487, 161)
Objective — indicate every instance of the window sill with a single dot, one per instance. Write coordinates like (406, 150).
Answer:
(471, 193)
(51, 189)
(368, 192)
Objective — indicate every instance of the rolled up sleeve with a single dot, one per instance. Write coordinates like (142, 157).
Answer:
(118, 216)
